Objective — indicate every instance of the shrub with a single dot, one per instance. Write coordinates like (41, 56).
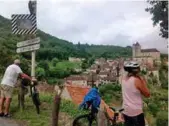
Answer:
(153, 108)
(162, 119)
(40, 73)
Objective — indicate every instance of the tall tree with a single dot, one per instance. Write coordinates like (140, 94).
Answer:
(159, 10)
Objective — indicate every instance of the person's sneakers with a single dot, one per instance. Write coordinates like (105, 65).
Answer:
(7, 115)
(1, 114)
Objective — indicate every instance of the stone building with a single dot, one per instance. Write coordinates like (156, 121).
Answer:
(138, 52)
(150, 56)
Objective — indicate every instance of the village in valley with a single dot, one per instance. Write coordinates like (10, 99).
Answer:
(67, 52)
(105, 71)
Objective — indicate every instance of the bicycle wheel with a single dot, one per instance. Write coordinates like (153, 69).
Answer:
(36, 101)
(85, 120)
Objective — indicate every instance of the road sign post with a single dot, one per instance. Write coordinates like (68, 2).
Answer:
(32, 8)
(26, 24)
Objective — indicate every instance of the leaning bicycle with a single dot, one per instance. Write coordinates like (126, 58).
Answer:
(33, 93)
(90, 119)
(35, 96)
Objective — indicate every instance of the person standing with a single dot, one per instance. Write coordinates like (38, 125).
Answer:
(10, 77)
(133, 88)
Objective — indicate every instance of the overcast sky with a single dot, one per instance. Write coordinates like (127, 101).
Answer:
(107, 22)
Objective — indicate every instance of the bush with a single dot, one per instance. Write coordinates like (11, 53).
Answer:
(71, 109)
(162, 119)
(143, 72)
(40, 73)
(153, 108)
(110, 92)
(54, 61)
(52, 81)
(164, 84)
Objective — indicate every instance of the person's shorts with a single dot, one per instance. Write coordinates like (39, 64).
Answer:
(6, 91)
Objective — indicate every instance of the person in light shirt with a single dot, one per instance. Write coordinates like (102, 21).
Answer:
(8, 82)
(133, 88)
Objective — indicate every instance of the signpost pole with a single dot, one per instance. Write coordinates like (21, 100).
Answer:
(33, 64)
(32, 8)
(27, 24)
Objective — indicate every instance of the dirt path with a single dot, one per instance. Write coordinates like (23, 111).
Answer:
(7, 122)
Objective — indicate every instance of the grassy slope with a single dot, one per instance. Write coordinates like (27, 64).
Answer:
(29, 117)
(67, 65)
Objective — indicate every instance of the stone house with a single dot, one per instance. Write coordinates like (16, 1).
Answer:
(100, 61)
(108, 80)
(76, 80)
(144, 60)
(103, 74)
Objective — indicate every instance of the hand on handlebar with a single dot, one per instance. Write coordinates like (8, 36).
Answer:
(34, 81)
(120, 118)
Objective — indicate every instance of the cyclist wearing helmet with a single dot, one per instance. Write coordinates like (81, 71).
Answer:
(133, 87)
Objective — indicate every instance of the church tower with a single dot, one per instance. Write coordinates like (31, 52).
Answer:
(136, 50)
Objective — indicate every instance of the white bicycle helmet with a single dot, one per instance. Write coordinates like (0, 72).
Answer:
(131, 64)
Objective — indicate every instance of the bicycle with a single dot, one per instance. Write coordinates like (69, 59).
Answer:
(34, 94)
(86, 119)
(90, 119)
(35, 97)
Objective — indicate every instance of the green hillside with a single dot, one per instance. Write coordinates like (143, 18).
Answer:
(51, 47)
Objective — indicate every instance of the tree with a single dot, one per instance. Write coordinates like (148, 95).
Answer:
(85, 64)
(154, 80)
(54, 61)
(45, 66)
(159, 10)
(40, 73)
(143, 72)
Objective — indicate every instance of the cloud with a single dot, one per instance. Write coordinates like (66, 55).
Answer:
(153, 40)
(94, 22)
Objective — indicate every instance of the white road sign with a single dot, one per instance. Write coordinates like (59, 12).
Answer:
(28, 42)
(28, 48)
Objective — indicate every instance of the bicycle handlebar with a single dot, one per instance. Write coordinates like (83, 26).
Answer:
(116, 109)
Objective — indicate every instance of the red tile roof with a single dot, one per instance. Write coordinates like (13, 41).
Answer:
(77, 94)
(149, 50)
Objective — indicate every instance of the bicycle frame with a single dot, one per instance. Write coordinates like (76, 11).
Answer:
(116, 115)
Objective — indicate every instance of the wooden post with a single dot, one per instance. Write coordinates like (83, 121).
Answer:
(56, 107)
(21, 97)
(55, 112)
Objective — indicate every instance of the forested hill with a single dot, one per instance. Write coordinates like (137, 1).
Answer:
(52, 47)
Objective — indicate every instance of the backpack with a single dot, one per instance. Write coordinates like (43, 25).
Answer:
(92, 99)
